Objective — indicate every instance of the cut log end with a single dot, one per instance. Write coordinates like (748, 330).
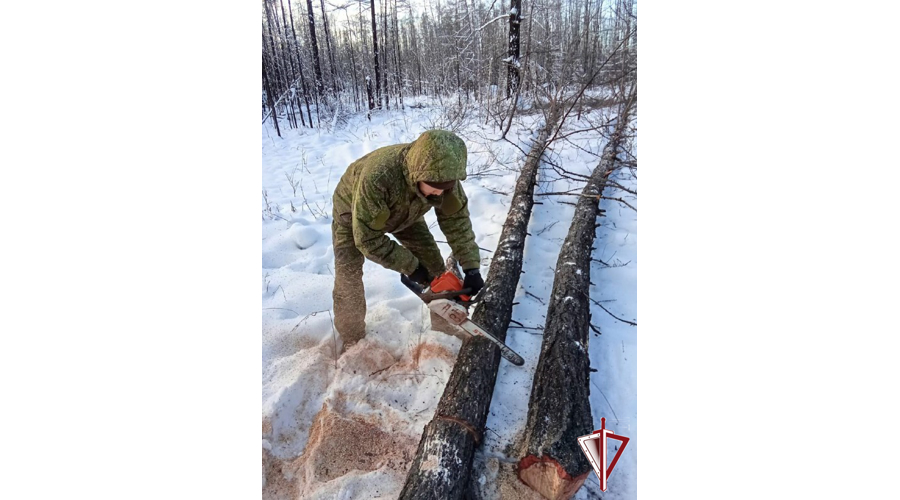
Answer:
(545, 476)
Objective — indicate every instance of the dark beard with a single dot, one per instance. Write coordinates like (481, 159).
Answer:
(433, 199)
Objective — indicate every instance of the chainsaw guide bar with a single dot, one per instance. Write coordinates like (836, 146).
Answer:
(450, 306)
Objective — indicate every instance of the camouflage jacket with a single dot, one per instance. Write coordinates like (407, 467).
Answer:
(379, 194)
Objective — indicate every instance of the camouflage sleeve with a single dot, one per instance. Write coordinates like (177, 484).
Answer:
(453, 217)
(370, 213)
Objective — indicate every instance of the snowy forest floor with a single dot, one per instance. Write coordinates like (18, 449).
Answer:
(348, 427)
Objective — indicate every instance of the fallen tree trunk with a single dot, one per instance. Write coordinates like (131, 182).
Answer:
(443, 460)
(559, 410)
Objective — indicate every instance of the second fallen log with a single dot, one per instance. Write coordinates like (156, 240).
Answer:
(559, 410)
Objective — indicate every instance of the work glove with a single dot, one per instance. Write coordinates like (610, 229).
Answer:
(421, 275)
(473, 281)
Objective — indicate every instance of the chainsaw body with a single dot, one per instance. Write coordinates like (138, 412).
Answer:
(447, 298)
(451, 309)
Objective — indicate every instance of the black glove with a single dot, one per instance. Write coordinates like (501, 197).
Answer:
(421, 276)
(473, 281)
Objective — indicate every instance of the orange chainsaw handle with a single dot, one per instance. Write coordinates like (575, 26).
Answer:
(429, 296)
(448, 282)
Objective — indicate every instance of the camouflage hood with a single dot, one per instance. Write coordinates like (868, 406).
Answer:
(436, 156)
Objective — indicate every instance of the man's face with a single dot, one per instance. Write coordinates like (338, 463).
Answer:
(428, 191)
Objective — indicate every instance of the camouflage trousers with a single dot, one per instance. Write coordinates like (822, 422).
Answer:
(349, 294)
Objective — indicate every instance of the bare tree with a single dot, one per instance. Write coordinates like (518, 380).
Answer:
(515, 19)
(334, 80)
(315, 47)
(269, 98)
(300, 66)
(375, 50)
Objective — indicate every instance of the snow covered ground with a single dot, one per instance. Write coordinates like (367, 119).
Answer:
(347, 428)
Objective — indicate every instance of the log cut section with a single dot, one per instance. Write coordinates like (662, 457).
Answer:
(443, 460)
(559, 410)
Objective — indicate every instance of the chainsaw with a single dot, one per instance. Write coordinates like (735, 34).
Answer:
(447, 298)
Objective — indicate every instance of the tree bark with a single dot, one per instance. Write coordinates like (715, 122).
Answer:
(399, 70)
(271, 101)
(385, 29)
(588, 34)
(352, 63)
(417, 54)
(300, 67)
(276, 71)
(334, 80)
(315, 48)
(515, 18)
(559, 410)
(371, 98)
(375, 50)
(288, 53)
(443, 460)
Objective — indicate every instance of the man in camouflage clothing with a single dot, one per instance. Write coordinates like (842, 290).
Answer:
(389, 191)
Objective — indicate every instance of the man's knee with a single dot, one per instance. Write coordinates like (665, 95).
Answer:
(348, 260)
